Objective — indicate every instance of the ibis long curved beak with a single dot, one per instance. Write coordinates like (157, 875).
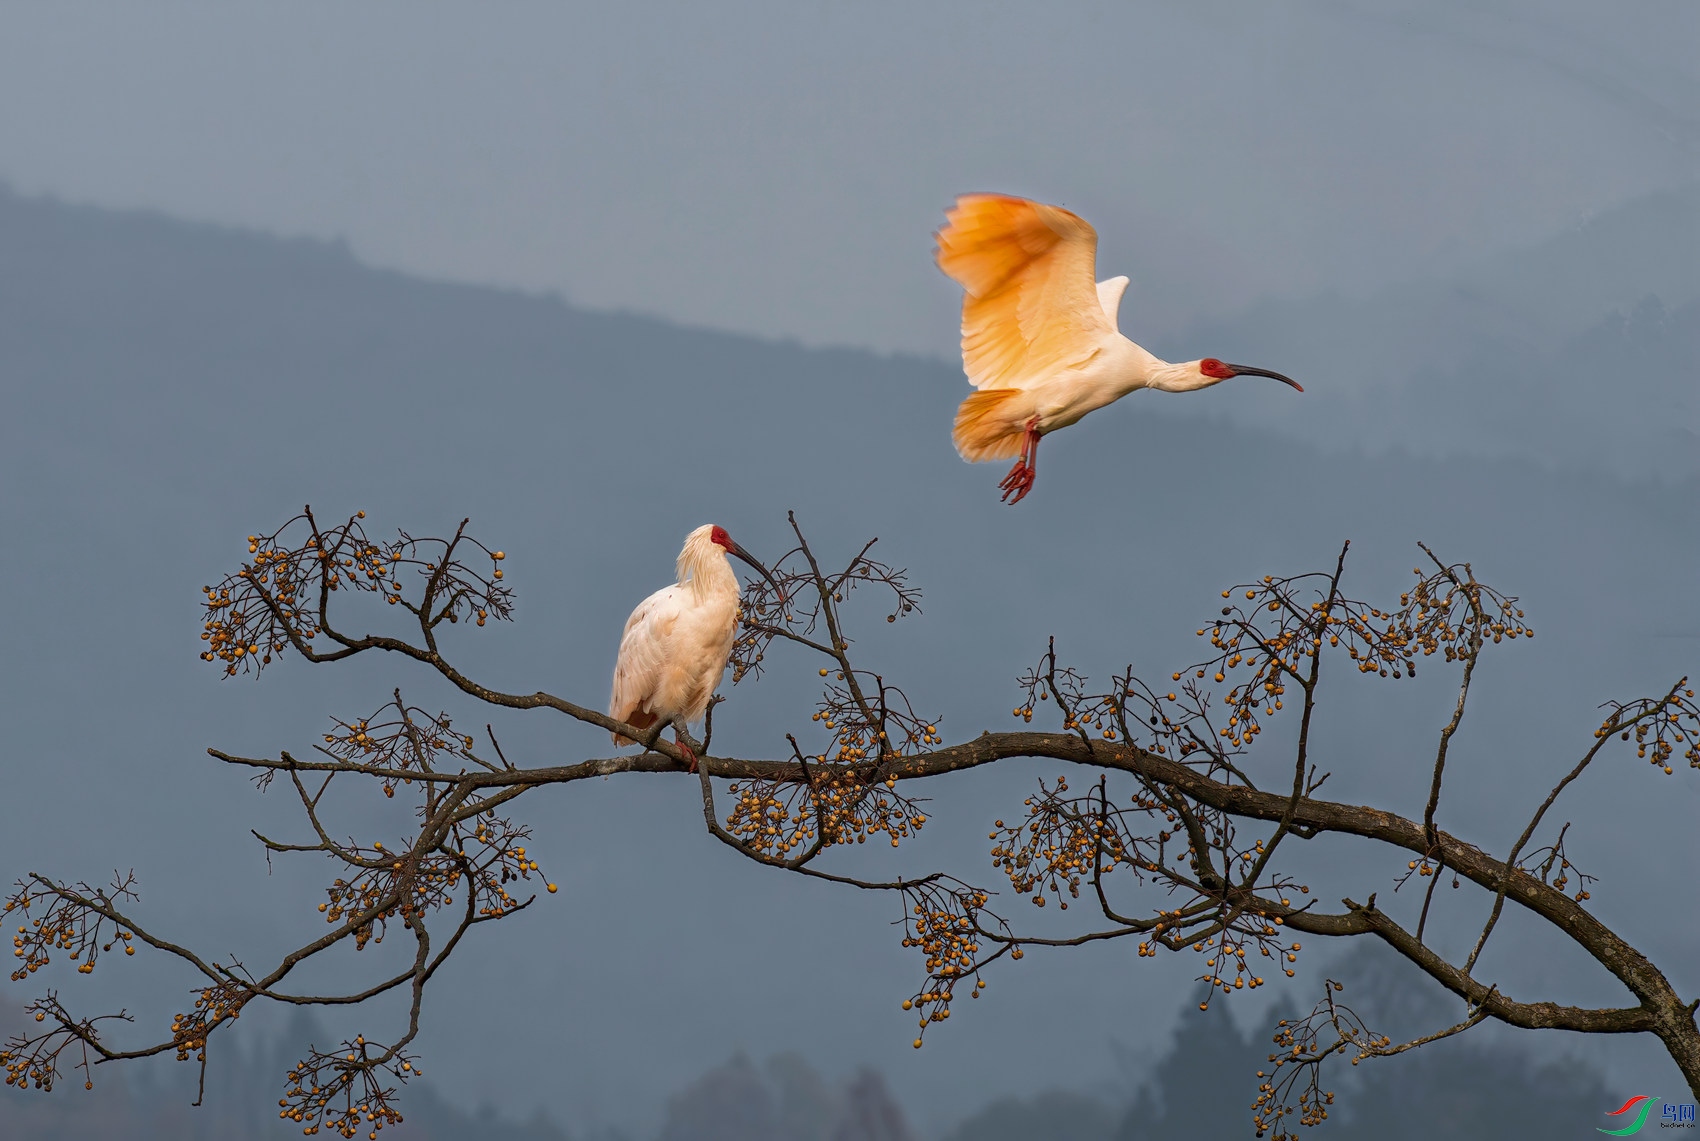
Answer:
(736, 549)
(1247, 370)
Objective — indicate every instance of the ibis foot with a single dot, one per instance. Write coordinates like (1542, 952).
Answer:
(680, 740)
(1018, 482)
(1020, 479)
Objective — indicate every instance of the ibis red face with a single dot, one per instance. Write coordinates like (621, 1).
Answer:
(1218, 370)
(720, 538)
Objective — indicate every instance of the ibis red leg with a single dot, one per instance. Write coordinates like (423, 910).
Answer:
(1020, 479)
(690, 757)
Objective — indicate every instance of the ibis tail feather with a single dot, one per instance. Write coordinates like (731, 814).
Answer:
(986, 427)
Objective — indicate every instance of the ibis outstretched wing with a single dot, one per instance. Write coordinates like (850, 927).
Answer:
(1031, 306)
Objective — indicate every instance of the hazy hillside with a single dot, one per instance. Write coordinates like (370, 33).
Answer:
(169, 388)
(1582, 352)
(1467, 1089)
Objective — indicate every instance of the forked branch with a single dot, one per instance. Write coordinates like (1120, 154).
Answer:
(1175, 843)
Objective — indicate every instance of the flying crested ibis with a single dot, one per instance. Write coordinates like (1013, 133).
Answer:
(677, 641)
(1039, 336)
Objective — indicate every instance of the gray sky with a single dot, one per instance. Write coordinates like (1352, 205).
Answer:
(777, 168)
(166, 390)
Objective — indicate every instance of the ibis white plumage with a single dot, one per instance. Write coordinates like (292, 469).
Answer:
(678, 640)
(1040, 338)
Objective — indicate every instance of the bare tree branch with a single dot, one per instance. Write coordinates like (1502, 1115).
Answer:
(1174, 839)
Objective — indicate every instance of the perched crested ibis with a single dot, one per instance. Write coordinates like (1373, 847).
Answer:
(1039, 336)
(678, 639)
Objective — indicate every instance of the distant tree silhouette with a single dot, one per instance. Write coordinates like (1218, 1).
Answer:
(730, 1103)
(1474, 1091)
(241, 1088)
(869, 1113)
(1190, 1092)
(1172, 841)
(1460, 1088)
(1457, 1089)
(1055, 1115)
(783, 1101)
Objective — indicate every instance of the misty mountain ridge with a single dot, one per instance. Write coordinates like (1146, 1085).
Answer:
(169, 387)
(1550, 353)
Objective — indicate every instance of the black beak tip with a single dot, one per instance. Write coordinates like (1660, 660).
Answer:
(1248, 370)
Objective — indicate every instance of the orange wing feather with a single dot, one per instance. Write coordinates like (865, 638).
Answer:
(984, 430)
(1031, 304)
